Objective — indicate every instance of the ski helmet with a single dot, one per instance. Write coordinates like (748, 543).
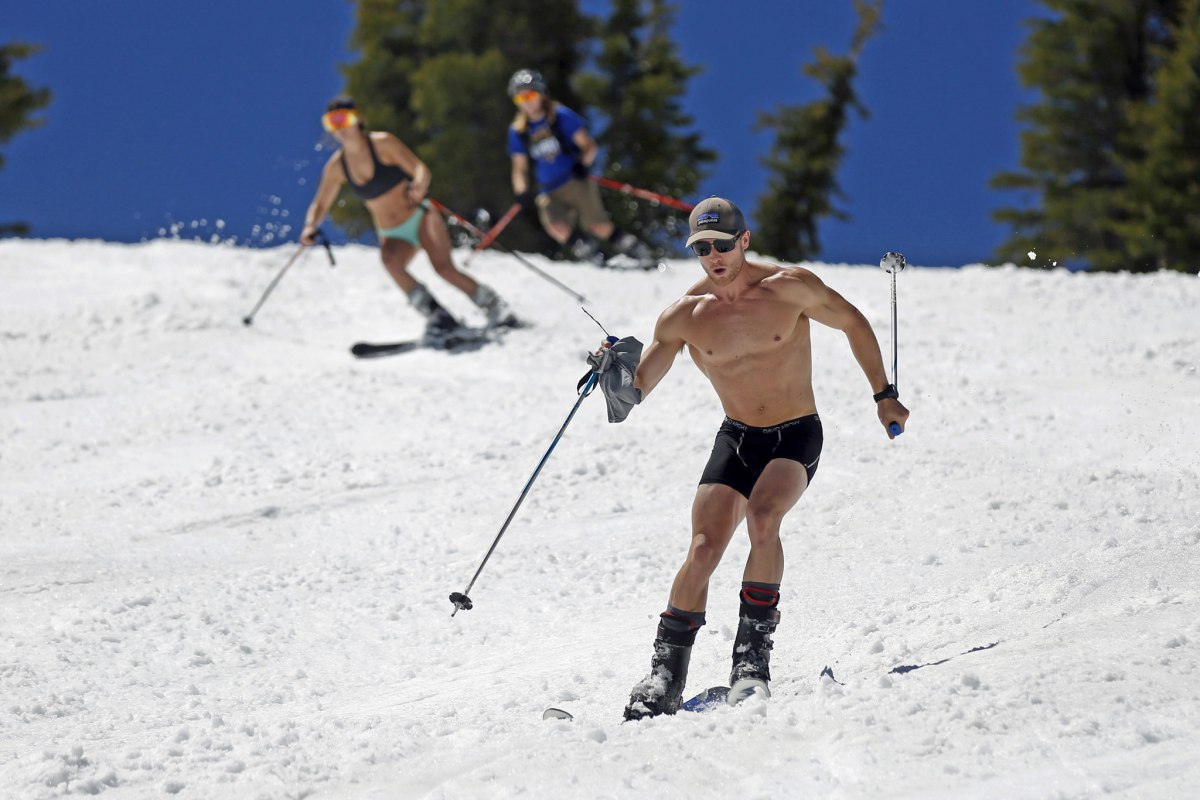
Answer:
(524, 79)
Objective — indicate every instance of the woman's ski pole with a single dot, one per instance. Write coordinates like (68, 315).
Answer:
(459, 220)
(249, 318)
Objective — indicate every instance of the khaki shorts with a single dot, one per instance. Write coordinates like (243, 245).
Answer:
(576, 200)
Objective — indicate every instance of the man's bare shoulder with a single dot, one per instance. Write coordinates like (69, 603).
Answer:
(786, 274)
(697, 289)
(797, 283)
(683, 306)
(673, 321)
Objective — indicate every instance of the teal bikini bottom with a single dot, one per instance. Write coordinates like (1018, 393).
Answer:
(410, 229)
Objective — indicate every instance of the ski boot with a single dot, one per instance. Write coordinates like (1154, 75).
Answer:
(752, 653)
(637, 254)
(629, 245)
(584, 248)
(440, 324)
(499, 315)
(661, 691)
(442, 330)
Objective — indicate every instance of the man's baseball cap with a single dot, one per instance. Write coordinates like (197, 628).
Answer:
(715, 218)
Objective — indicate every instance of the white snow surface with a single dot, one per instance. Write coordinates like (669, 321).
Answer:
(226, 551)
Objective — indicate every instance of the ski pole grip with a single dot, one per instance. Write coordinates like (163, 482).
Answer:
(894, 428)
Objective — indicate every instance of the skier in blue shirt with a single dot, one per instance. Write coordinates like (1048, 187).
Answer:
(555, 141)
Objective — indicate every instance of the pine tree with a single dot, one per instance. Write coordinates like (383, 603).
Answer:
(436, 74)
(1163, 200)
(807, 151)
(637, 92)
(18, 103)
(1093, 64)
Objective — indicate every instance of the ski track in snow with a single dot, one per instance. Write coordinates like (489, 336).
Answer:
(225, 552)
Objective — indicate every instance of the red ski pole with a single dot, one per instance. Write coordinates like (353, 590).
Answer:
(496, 229)
(645, 194)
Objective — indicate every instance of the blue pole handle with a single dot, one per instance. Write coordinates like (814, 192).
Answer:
(612, 339)
(894, 428)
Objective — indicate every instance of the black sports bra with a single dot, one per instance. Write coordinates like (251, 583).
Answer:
(384, 178)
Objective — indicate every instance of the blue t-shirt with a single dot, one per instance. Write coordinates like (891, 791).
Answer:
(552, 159)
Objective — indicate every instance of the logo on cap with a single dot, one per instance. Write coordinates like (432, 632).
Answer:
(715, 218)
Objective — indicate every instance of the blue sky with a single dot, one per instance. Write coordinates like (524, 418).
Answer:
(203, 116)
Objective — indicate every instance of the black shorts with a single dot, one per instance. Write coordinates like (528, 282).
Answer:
(741, 452)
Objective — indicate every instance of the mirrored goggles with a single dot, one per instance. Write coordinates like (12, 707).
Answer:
(339, 119)
(722, 245)
(526, 96)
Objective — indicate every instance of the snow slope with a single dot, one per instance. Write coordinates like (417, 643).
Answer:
(225, 552)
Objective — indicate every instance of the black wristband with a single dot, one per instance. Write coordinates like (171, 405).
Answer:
(889, 392)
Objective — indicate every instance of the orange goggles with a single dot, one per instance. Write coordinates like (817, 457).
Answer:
(339, 119)
(526, 96)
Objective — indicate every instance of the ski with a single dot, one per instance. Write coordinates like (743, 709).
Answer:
(374, 350)
(628, 263)
(510, 323)
(747, 688)
(652, 266)
(453, 342)
(645, 266)
(711, 698)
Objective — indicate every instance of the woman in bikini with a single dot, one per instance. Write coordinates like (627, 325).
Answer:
(389, 178)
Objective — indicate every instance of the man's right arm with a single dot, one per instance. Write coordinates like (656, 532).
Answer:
(660, 354)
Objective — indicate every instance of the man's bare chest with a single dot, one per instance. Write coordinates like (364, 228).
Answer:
(722, 331)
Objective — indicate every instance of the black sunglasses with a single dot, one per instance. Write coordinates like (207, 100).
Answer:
(722, 245)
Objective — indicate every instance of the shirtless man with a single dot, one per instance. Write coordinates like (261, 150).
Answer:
(746, 326)
(389, 178)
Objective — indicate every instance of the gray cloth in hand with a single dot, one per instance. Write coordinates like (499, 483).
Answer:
(617, 367)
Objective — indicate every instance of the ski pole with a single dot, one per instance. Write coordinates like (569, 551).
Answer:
(249, 318)
(328, 250)
(893, 263)
(645, 194)
(459, 220)
(460, 599)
